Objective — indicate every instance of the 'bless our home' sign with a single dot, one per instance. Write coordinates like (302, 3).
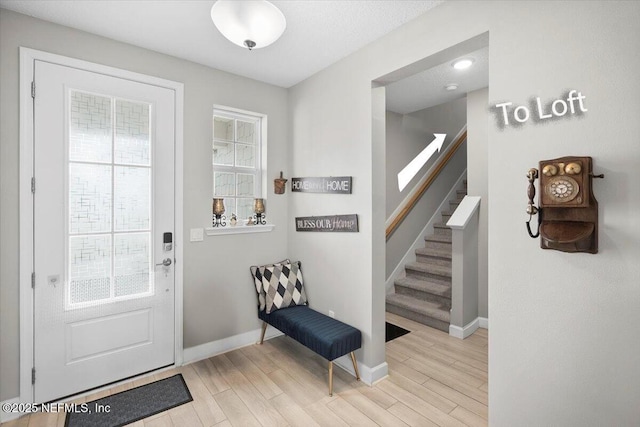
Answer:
(329, 223)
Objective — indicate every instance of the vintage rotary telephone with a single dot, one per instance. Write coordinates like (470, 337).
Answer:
(568, 211)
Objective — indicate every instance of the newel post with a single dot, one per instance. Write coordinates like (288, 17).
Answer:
(464, 269)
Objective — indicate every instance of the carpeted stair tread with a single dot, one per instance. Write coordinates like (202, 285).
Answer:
(434, 252)
(424, 308)
(431, 286)
(429, 268)
(442, 238)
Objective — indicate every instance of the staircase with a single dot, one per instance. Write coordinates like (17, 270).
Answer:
(424, 294)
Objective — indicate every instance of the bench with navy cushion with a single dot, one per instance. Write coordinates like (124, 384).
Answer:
(326, 336)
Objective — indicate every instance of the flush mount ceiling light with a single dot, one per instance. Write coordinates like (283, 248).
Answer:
(451, 86)
(251, 23)
(462, 64)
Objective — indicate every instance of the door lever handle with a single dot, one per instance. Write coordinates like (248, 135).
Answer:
(166, 262)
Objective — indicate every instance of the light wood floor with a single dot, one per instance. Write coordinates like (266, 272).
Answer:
(434, 380)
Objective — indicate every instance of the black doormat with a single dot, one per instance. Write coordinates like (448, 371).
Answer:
(131, 405)
(392, 332)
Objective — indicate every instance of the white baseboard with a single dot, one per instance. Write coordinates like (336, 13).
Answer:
(483, 322)
(468, 329)
(410, 255)
(8, 416)
(210, 349)
(367, 375)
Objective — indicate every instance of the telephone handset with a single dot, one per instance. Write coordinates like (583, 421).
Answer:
(531, 209)
(568, 211)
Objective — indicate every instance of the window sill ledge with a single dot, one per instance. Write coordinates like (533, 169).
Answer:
(239, 229)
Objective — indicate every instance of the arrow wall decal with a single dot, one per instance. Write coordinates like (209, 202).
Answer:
(421, 159)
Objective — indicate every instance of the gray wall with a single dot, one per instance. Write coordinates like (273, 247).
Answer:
(219, 300)
(327, 134)
(478, 183)
(562, 346)
(407, 135)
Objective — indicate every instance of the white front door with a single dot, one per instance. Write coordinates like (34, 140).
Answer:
(103, 201)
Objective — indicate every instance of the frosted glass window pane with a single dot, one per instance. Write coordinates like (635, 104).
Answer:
(89, 198)
(132, 143)
(229, 208)
(246, 132)
(245, 208)
(89, 128)
(89, 268)
(223, 153)
(222, 128)
(132, 199)
(245, 155)
(245, 184)
(131, 263)
(224, 184)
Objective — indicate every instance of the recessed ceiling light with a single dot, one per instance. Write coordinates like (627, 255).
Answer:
(463, 63)
(451, 86)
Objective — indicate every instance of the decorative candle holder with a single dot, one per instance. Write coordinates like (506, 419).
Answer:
(219, 220)
(258, 208)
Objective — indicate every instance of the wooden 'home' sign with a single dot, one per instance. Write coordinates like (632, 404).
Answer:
(331, 184)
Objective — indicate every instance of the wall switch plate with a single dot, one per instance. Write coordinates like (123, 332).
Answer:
(197, 234)
(331, 314)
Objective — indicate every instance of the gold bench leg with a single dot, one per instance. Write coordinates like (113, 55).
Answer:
(355, 365)
(330, 378)
(264, 329)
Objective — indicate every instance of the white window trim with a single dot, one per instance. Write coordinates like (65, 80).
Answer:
(262, 175)
(239, 229)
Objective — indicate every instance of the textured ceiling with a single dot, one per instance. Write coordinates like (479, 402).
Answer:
(427, 88)
(319, 32)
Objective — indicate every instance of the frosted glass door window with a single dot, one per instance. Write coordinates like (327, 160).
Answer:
(132, 133)
(109, 199)
(132, 198)
(132, 269)
(89, 198)
(89, 268)
(90, 128)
